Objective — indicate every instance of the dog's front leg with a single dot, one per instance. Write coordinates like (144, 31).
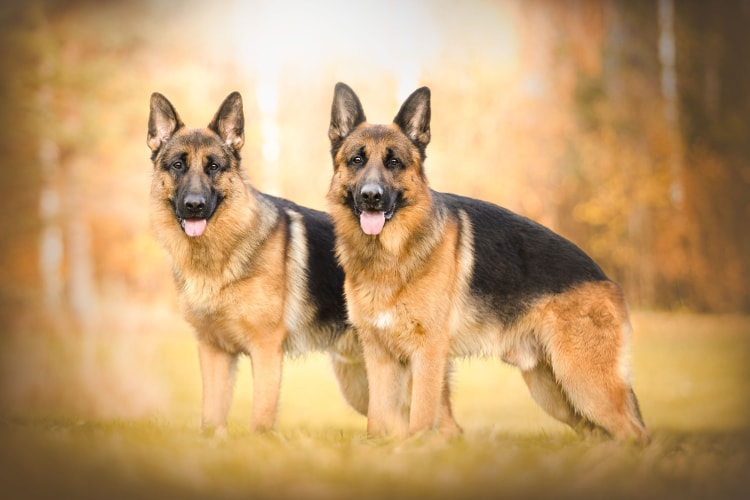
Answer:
(385, 377)
(266, 357)
(428, 366)
(217, 373)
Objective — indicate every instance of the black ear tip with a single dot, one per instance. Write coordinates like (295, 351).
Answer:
(342, 87)
(233, 99)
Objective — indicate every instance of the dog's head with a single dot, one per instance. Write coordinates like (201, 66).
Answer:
(378, 169)
(192, 164)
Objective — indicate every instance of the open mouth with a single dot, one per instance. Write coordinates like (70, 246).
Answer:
(193, 227)
(194, 224)
(372, 222)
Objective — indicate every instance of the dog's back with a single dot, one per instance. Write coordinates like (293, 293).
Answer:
(315, 310)
(516, 260)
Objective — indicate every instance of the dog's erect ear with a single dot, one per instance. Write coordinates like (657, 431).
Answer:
(414, 117)
(229, 121)
(163, 121)
(346, 114)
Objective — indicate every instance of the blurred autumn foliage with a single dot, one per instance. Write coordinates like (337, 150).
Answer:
(623, 125)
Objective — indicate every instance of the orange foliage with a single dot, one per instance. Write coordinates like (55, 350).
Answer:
(536, 106)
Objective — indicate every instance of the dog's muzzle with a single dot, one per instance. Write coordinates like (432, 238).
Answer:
(373, 206)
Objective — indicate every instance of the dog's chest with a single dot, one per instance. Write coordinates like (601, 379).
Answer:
(401, 320)
(232, 316)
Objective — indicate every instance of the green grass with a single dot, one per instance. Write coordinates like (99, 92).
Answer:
(118, 417)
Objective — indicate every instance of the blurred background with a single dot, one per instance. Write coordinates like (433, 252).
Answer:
(623, 125)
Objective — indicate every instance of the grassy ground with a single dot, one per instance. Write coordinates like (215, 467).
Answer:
(118, 417)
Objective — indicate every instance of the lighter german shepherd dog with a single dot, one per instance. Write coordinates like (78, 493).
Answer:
(431, 276)
(255, 274)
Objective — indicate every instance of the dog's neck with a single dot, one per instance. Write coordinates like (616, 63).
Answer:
(210, 262)
(402, 249)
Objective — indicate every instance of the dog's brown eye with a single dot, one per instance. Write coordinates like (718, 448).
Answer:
(357, 160)
(394, 162)
(213, 167)
(177, 165)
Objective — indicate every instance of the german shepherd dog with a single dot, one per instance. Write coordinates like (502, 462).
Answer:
(255, 274)
(431, 276)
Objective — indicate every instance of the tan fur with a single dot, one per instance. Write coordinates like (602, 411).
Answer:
(230, 286)
(409, 296)
(396, 322)
(242, 283)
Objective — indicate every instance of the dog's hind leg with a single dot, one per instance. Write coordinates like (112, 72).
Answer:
(610, 403)
(587, 350)
(217, 373)
(351, 374)
(549, 395)
(352, 379)
(447, 424)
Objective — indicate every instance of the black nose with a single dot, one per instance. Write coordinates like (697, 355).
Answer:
(371, 193)
(194, 204)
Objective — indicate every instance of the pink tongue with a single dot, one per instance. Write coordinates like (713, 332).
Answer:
(195, 227)
(372, 222)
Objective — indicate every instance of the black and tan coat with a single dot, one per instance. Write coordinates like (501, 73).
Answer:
(255, 274)
(431, 276)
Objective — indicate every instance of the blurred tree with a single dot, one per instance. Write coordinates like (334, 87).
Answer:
(621, 124)
(714, 81)
(662, 191)
(614, 183)
(51, 244)
(20, 177)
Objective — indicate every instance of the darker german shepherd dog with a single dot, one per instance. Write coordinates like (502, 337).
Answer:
(431, 276)
(255, 274)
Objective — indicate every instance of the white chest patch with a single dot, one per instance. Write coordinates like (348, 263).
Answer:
(383, 320)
